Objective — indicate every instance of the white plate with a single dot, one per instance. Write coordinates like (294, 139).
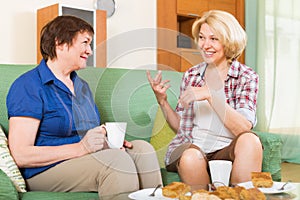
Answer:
(271, 190)
(144, 195)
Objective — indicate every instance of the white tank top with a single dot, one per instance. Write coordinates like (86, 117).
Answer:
(209, 132)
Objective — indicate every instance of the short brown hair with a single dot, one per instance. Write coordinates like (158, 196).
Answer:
(62, 29)
(228, 30)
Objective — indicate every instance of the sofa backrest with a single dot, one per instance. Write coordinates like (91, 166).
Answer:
(8, 73)
(125, 95)
(120, 95)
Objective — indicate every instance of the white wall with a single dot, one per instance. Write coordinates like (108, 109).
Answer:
(132, 34)
(18, 31)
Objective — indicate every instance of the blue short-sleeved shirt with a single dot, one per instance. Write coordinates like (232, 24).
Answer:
(64, 117)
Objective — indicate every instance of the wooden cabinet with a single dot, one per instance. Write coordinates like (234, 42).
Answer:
(192, 8)
(176, 47)
(235, 7)
(167, 52)
(97, 18)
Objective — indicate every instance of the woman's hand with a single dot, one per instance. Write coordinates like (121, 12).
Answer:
(94, 139)
(127, 145)
(192, 94)
(159, 87)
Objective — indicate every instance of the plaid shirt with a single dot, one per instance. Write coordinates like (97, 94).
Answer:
(241, 89)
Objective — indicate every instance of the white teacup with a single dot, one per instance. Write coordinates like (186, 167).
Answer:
(220, 171)
(115, 134)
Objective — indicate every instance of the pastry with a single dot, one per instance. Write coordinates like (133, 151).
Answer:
(184, 197)
(225, 192)
(182, 191)
(252, 194)
(200, 191)
(174, 189)
(204, 196)
(261, 179)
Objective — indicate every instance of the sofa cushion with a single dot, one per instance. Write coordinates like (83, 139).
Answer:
(9, 73)
(162, 134)
(119, 98)
(7, 189)
(8, 165)
(169, 177)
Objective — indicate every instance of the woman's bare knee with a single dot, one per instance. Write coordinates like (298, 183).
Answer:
(248, 142)
(192, 167)
(190, 157)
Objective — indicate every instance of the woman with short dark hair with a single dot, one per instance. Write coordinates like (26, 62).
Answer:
(55, 134)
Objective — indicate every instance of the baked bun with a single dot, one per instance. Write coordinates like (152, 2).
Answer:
(175, 189)
(225, 192)
(238, 189)
(184, 197)
(204, 196)
(261, 179)
(200, 191)
(252, 194)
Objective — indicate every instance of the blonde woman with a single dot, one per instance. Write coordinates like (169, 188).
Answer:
(216, 109)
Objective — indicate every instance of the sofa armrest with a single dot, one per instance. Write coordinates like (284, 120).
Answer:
(272, 144)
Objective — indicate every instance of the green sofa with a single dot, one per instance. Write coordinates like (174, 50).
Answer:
(122, 95)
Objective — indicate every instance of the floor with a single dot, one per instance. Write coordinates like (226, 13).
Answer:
(290, 171)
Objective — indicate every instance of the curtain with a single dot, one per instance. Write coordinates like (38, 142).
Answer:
(278, 65)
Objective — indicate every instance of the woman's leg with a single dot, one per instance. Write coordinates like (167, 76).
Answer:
(107, 172)
(146, 162)
(188, 160)
(248, 153)
(192, 169)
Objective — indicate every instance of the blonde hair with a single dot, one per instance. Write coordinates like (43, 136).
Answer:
(227, 29)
